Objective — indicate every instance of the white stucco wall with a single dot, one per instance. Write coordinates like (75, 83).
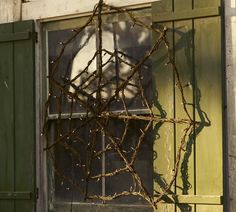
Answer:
(14, 10)
(61, 7)
(10, 10)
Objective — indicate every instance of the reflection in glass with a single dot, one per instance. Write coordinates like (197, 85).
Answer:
(143, 163)
(124, 45)
(72, 160)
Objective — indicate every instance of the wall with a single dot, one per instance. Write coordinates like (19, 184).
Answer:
(13, 10)
(230, 18)
(61, 7)
(10, 10)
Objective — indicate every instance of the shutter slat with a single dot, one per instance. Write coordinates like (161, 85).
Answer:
(183, 51)
(7, 119)
(164, 134)
(209, 155)
(24, 115)
(163, 88)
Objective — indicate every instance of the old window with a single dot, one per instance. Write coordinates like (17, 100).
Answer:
(86, 165)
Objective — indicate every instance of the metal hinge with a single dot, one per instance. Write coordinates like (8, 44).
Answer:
(36, 34)
(37, 193)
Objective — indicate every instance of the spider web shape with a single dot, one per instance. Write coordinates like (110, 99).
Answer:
(82, 140)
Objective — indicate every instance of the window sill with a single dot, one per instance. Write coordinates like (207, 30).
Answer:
(91, 207)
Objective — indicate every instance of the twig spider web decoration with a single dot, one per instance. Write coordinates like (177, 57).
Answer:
(90, 95)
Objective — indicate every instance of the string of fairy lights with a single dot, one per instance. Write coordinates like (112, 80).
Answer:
(97, 114)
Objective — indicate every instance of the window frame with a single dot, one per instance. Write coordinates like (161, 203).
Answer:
(144, 11)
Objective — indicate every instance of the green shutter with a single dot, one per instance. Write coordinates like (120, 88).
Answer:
(195, 35)
(17, 121)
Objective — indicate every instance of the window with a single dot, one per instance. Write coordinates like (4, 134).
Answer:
(100, 152)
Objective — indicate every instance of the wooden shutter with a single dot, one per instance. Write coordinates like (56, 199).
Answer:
(17, 119)
(195, 35)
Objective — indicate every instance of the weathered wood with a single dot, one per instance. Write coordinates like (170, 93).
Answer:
(163, 87)
(8, 195)
(62, 207)
(230, 118)
(7, 134)
(199, 61)
(17, 140)
(209, 208)
(6, 37)
(208, 100)
(194, 199)
(206, 4)
(183, 37)
(209, 144)
(187, 14)
(24, 116)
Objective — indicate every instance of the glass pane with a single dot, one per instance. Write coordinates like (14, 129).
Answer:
(124, 181)
(67, 69)
(73, 160)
